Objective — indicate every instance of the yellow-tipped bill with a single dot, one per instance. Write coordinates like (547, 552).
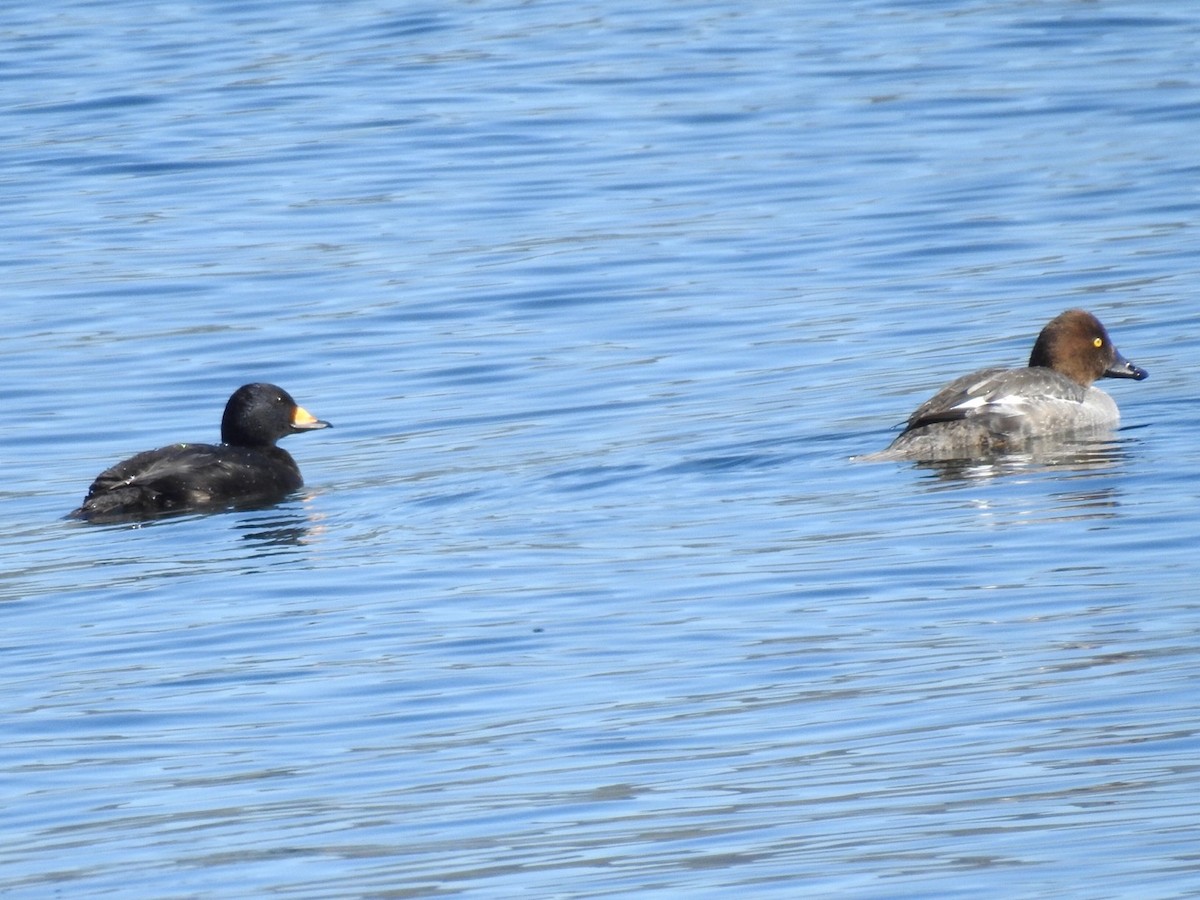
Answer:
(303, 420)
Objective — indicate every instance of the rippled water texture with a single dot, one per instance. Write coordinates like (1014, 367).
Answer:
(585, 595)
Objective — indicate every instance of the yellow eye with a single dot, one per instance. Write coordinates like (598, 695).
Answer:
(1098, 342)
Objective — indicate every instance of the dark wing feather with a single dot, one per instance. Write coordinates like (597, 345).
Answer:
(995, 397)
(189, 476)
(946, 404)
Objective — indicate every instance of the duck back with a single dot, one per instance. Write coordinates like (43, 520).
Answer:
(190, 477)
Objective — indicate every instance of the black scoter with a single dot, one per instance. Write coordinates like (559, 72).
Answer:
(245, 469)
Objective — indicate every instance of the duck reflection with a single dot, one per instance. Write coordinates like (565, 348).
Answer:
(281, 530)
(1065, 457)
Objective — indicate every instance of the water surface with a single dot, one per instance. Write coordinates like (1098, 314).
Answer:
(585, 596)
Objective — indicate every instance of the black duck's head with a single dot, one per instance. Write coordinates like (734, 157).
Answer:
(259, 414)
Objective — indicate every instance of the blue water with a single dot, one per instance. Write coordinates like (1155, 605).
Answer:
(585, 595)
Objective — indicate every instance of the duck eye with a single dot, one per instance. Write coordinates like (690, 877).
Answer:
(1098, 342)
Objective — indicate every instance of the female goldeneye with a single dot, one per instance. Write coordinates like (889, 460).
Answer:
(997, 410)
(246, 468)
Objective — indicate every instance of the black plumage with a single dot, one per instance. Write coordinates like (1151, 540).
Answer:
(245, 469)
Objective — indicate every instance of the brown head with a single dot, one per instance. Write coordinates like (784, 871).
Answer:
(1076, 345)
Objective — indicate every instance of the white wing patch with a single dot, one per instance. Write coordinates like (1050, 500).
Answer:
(973, 403)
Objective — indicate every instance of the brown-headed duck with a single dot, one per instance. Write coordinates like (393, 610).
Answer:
(998, 410)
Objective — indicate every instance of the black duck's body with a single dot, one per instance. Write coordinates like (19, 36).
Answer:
(245, 469)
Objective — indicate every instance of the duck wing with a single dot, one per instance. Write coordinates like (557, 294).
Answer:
(996, 396)
(189, 476)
